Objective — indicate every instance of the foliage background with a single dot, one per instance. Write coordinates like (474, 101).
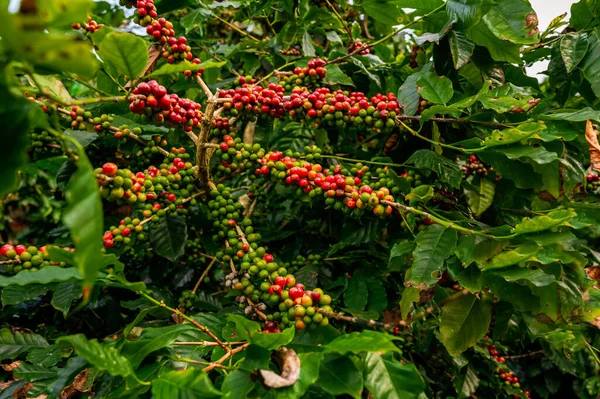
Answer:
(470, 268)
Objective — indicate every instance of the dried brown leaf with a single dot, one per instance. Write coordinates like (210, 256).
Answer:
(21, 392)
(11, 366)
(78, 385)
(593, 272)
(289, 364)
(591, 135)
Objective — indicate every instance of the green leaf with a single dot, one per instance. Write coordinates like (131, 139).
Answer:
(466, 383)
(48, 355)
(514, 21)
(434, 246)
(336, 76)
(461, 48)
(83, 137)
(509, 258)
(583, 14)
(537, 154)
(16, 117)
(514, 134)
(308, 49)
(46, 275)
(464, 322)
(360, 232)
(309, 373)
(388, 12)
(51, 84)
(169, 69)
(338, 375)
(591, 63)
(196, 17)
(572, 115)
(398, 254)
(125, 53)
(447, 171)
(469, 12)
(434, 88)
(168, 237)
(420, 5)
(356, 296)
(410, 295)
(13, 343)
(237, 384)
(31, 373)
(389, 379)
(408, 94)
(540, 223)
(311, 339)
(152, 339)
(500, 50)
(84, 218)
(535, 277)
(251, 331)
(103, 357)
(190, 383)
(573, 47)
(481, 199)
(363, 341)
(16, 294)
(64, 295)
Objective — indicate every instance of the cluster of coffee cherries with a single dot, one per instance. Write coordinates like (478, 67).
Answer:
(177, 49)
(260, 277)
(359, 45)
(301, 261)
(161, 31)
(503, 372)
(473, 166)
(43, 144)
(153, 192)
(321, 107)
(311, 75)
(78, 117)
(102, 122)
(592, 182)
(28, 258)
(222, 128)
(291, 51)
(338, 188)
(163, 107)
(254, 100)
(235, 155)
(90, 26)
(186, 300)
(145, 11)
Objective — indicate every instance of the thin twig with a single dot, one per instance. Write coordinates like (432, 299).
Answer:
(256, 310)
(524, 355)
(212, 262)
(343, 22)
(225, 357)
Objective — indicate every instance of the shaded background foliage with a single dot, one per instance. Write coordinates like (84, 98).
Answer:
(486, 267)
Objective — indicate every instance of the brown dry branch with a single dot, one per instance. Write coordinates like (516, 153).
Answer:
(591, 135)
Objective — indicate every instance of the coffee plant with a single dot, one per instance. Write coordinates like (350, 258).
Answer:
(299, 199)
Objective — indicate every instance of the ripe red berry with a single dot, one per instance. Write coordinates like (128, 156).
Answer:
(280, 281)
(20, 249)
(268, 258)
(5, 248)
(109, 169)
